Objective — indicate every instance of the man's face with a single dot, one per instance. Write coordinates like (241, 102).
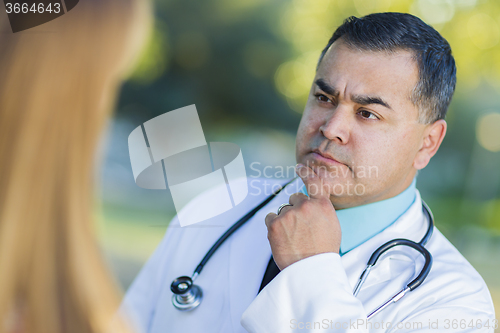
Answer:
(359, 113)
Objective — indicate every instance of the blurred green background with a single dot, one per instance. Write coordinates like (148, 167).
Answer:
(248, 66)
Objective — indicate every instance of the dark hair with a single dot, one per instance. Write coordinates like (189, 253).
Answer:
(398, 31)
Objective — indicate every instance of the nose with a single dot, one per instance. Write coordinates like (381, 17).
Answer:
(337, 126)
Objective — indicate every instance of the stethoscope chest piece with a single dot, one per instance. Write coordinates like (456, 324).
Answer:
(187, 296)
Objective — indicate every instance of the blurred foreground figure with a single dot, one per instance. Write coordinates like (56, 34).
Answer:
(58, 84)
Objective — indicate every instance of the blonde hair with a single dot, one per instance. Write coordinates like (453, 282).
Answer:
(58, 84)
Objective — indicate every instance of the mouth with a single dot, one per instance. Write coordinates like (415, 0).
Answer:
(326, 158)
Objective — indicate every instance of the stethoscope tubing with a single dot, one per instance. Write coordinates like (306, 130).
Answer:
(235, 227)
(415, 283)
(183, 300)
(405, 242)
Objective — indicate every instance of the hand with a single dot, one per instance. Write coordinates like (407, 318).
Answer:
(309, 227)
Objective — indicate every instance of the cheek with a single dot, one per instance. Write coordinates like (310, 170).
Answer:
(404, 146)
(309, 125)
(376, 152)
(390, 154)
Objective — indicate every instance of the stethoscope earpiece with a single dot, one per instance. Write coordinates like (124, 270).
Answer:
(187, 296)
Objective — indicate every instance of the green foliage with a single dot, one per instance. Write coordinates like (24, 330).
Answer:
(252, 63)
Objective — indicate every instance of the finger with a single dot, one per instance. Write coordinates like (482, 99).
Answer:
(285, 209)
(269, 218)
(314, 184)
(297, 198)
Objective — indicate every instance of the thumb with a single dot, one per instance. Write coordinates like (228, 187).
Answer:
(314, 184)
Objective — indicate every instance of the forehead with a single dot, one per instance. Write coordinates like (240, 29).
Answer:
(390, 75)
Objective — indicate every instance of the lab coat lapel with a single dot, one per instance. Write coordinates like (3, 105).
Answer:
(250, 252)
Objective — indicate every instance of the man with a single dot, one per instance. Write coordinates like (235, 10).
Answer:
(374, 117)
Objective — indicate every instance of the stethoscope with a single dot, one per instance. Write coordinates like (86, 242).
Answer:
(188, 296)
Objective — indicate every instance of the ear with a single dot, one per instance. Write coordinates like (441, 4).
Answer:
(433, 136)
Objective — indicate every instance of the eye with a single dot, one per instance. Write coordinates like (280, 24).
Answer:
(323, 98)
(367, 114)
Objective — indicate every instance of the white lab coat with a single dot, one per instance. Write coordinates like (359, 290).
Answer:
(315, 293)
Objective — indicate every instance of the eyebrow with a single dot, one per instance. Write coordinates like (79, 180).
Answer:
(359, 99)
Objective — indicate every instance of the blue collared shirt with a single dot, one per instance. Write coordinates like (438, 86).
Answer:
(358, 224)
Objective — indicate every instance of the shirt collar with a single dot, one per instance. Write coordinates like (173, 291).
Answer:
(358, 224)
